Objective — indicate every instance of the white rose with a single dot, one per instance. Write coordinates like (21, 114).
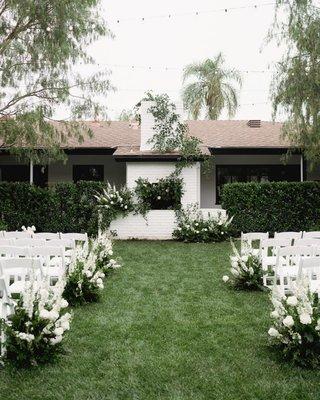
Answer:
(88, 274)
(58, 331)
(55, 340)
(125, 207)
(99, 281)
(274, 314)
(65, 325)
(225, 278)
(273, 332)
(244, 258)
(110, 252)
(305, 318)
(292, 301)
(234, 272)
(44, 314)
(234, 264)
(288, 321)
(64, 303)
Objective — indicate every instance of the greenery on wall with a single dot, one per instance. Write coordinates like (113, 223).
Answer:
(164, 194)
(273, 206)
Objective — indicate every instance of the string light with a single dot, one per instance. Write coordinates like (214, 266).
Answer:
(194, 13)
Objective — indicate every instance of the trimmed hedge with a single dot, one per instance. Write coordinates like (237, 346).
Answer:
(273, 206)
(65, 207)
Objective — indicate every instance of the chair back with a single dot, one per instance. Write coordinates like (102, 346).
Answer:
(30, 242)
(7, 242)
(18, 269)
(249, 239)
(17, 234)
(270, 246)
(65, 243)
(1, 234)
(310, 267)
(288, 235)
(14, 251)
(47, 253)
(290, 255)
(77, 237)
(307, 242)
(46, 235)
(311, 235)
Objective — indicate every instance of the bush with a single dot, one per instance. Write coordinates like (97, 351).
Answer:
(165, 194)
(194, 227)
(296, 324)
(65, 207)
(273, 207)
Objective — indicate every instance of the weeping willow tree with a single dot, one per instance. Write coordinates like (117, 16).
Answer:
(212, 89)
(296, 84)
(41, 41)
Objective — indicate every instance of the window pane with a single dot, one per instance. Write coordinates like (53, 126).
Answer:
(88, 173)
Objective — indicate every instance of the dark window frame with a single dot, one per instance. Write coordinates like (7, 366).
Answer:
(274, 167)
(75, 174)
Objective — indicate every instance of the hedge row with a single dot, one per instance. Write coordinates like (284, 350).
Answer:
(273, 207)
(65, 207)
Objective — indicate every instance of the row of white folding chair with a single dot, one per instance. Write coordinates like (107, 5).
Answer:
(5, 301)
(79, 237)
(46, 252)
(311, 235)
(30, 242)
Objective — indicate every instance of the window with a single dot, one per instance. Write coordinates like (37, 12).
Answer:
(21, 173)
(254, 173)
(88, 173)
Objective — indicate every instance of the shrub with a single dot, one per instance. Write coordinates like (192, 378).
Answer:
(34, 331)
(271, 207)
(65, 207)
(112, 203)
(194, 227)
(296, 324)
(165, 194)
(246, 271)
(101, 247)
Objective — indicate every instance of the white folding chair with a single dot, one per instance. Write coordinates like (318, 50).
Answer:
(311, 235)
(249, 240)
(30, 242)
(53, 259)
(17, 235)
(288, 235)
(1, 234)
(13, 251)
(310, 267)
(46, 235)
(68, 244)
(287, 264)
(7, 242)
(307, 242)
(5, 301)
(17, 271)
(79, 238)
(268, 251)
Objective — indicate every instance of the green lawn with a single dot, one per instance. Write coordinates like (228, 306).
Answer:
(167, 328)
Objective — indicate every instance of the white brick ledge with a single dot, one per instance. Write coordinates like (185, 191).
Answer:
(157, 225)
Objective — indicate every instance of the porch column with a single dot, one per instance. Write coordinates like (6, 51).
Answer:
(301, 169)
(31, 171)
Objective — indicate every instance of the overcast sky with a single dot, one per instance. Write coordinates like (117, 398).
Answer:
(150, 54)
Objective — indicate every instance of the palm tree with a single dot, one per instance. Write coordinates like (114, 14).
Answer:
(213, 89)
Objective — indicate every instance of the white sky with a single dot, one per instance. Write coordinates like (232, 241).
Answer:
(174, 42)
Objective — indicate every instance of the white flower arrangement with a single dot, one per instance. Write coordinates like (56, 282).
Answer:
(34, 331)
(29, 229)
(296, 324)
(102, 248)
(246, 270)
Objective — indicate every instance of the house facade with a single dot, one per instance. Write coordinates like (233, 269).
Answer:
(119, 152)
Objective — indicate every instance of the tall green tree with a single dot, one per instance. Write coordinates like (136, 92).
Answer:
(41, 41)
(296, 83)
(213, 88)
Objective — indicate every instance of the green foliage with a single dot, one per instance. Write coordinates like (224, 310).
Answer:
(295, 88)
(194, 227)
(65, 207)
(114, 202)
(40, 44)
(165, 194)
(273, 207)
(211, 91)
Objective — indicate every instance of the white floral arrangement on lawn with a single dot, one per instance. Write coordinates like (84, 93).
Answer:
(296, 324)
(246, 270)
(34, 332)
(102, 248)
(193, 226)
(84, 278)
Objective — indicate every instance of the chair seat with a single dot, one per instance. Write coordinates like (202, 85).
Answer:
(18, 287)
(291, 271)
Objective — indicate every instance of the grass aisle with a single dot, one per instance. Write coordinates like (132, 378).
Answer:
(167, 328)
